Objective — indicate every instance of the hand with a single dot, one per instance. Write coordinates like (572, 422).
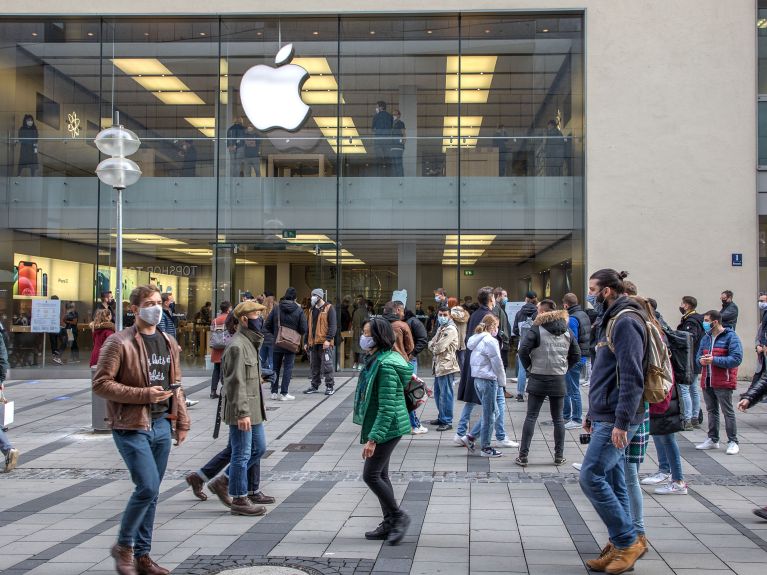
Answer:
(181, 436)
(243, 423)
(158, 394)
(706, 360)
(326, 345)
(743, 405)
(620, 438)
(586, 426)
(369, 449)
(759, 348)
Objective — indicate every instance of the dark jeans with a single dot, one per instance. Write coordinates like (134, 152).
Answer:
(247, 449)
(146, 455)
(716, 398)
(375, 474)
(266, 356)
(219, 462)
(283, 362)
(573, 410)
(534, 404)
(216, 378)
(321, 367)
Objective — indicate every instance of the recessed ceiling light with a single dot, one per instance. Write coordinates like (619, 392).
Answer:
(372, 32)
(316, 33)
(202, 33)
(90, 33)
(487, 31)
(146, 33)
(34, 33)
(428, 31)
(258, 33)
(545, 30)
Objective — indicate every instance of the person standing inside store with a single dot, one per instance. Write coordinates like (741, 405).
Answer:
(56, 339)
(580, 326)
(139, 375)
(10, 453)
(168, 322)
(252, 153)
(382, 128)
(691, 322)
(359, 317)
(321, 343)
(729, 311)
(397, 149)
(28, 156)
(290, 315)
(443, 348)
(71, 319)
(379, 407)
(235, 145)
(219, 322)
(106, 301)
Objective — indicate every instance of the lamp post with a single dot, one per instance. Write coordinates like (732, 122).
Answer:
(118, 172)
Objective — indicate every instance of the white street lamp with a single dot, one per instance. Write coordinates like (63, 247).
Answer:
(118, 172)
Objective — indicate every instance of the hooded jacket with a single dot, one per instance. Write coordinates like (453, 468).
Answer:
(728, 355)
(466, 390)
(418, 331)
(461, 317)
(291, 315)
(617, 379)
(729, 313)
(692, 322)
(443, 346)
(526, 311)
(486, 360)
(547, 353)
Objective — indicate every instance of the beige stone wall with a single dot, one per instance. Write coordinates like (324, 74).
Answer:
(670, 124)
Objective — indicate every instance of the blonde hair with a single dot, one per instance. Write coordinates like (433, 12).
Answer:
(103, 315)
(269, 305)
(488, 324)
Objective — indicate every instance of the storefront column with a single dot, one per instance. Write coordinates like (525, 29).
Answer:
(406, 272)
(408, 107)
(225, 275)
(283, 279)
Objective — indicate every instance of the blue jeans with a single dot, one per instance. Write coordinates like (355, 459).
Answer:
(463, 423)
(283, 362)
(146, 455)
(221, 460)
(414, 421)
(486, 390)
(443, 397)
(604, 484)
(500, 403)
(247, 449)
(669, 458)
(265, 355)
(573, 410)
(5, 444)
(521, 378)
(690, 395)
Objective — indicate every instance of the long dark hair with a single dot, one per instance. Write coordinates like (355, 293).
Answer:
(381, 332)
(609, 278)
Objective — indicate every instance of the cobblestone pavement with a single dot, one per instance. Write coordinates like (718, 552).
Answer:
(60, 509)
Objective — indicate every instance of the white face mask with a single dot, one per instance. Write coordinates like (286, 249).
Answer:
(314, 300)
(151, 315)
(367, 342)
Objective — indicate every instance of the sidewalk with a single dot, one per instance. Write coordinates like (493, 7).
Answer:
(60, 508)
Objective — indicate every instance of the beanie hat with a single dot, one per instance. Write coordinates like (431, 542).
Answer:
(531, 295)
(319, 293)
(247, 307)
(290, 293)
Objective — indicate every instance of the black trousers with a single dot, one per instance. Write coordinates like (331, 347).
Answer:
(216, 377)
(375, 474)
(534, 404)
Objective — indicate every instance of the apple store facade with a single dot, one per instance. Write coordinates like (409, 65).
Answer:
(442, 150)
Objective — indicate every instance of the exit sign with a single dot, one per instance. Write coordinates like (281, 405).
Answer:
(288, 234)
(468, 272)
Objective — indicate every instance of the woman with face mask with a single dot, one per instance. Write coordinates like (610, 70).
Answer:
(379, 407)
(28, 158)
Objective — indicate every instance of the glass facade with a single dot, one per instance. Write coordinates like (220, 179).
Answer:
(440, 151)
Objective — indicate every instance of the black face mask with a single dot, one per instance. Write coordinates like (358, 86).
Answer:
(682, 310)
(256, 324)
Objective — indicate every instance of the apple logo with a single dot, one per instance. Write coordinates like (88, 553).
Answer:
(271, 97)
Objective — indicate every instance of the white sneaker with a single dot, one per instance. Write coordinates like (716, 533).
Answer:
(458, 441)
(577, 466)
(507, 443)
(573, 425)
(733, 448)
(287, 397)
(191, 402)
(419, 430)
(672, 488)
(586, 383)
(656, 479)
(708, 444)
(275, 396)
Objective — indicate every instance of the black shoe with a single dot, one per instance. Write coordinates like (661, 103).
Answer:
(214, 395)
(399, 526)
(700, 417)
(329, 391)
(445, 427)
(558, 461)
(521, 461)
(311, 390)
(380, 533)
(761, 512)
(520, 397)
(435, 422)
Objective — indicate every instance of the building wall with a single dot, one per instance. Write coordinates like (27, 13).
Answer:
(671, 133)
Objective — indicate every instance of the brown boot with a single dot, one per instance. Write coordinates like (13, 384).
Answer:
(145, 566)
(643, 540)
(261, 499)
(601, 562)
(196, 483)
(220, 487)
(123, 557)
(624, 559)
(243, 506)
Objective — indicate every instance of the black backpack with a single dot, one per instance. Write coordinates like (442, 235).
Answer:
(681, 344)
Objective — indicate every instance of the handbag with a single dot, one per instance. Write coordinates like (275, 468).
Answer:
(415, 391)
(6, 411)
(287, 338)
(219, 336)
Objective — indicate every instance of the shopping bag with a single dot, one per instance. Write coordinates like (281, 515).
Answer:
(6, 411)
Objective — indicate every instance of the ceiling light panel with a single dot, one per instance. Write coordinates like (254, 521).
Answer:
(467, 134)
(467, 252)
(468, 79)
(351, 143)
(194, 251)
(151, 239)
(141, 66)
(469, 239)
(155, 77)
(179, 98)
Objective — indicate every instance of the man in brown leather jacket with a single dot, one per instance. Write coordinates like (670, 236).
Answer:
(139, 375)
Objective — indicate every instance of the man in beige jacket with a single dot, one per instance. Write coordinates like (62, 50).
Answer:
(443, 347)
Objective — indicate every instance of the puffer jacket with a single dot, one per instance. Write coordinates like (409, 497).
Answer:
(291, 315)
(461, 317)
(122, 378)
(443, 346)
(403, 337)
(757, 390)
(728, 355)
(379, 401)
(486, 360)
(241, 373)
(545, 370)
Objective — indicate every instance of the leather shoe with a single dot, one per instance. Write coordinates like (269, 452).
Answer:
(146, 566)
(219, 486)
(196, 483)
(507, 395)
(243, 506)
(604, 559)
(624, 559)
(261, 499)
(123, 557)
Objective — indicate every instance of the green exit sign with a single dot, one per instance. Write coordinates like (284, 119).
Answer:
(468, 272)
(288, 234)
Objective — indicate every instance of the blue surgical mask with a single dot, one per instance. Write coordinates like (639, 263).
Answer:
(707, 326)
(437, 299)
(504, 300)
(442, 319)
(763, 305)
(367, 342)
(592, 299)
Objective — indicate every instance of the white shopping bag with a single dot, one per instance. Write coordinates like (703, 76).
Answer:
(6, 412)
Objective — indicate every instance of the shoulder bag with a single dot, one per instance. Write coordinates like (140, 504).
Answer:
(287, 338)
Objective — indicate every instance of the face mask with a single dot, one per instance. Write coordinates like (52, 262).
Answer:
(707, 326)
(494, 333)
(314, 300)
(442, 319)
(367, 342)
(724, 301)
(151, 315)
(256, 324)
(682, 310)
(437, 299)
(29, 123)
(600, 299)
(592, 299)
(504, 300)
(763, 305)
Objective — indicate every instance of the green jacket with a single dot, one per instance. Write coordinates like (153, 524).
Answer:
(241, 372)
(379, 402)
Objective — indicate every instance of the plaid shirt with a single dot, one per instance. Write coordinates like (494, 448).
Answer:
(637, 447)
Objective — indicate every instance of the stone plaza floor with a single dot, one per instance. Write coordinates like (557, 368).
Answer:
(59, 510)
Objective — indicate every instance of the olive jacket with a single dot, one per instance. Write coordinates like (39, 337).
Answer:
(241, 371)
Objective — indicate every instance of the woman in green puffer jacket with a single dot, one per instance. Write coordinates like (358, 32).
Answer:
(379, 407)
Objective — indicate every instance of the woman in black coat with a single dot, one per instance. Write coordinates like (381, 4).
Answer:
(755, 393)
(28, 135)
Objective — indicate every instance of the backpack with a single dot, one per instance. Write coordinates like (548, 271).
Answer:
(525, 326)
(658, 375)
(219, 335)
(681, 344)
